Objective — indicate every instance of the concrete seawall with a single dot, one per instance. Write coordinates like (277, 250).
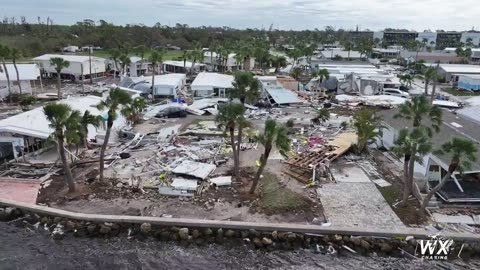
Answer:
(260, 235)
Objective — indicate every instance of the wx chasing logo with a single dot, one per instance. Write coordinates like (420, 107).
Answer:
(436, 248)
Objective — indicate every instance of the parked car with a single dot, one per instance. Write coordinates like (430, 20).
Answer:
(172, 112)
(395, 92)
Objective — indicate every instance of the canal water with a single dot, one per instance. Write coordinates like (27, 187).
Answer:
(27, 248)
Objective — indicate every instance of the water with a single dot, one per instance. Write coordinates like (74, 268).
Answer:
(22, 248)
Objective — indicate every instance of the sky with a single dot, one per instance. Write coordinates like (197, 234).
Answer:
(283, 14)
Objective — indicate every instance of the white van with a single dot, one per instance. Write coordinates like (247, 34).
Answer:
(395, 92)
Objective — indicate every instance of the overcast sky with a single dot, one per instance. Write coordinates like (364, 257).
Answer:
(284, 14)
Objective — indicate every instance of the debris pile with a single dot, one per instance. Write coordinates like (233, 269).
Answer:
(177, 164)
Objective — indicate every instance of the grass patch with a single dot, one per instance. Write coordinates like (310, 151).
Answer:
(277, 199)
(459, 92)
(410, 214)
(391, 193)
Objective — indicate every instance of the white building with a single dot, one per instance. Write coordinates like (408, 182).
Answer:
(168, 85)
(28, 74)
(429, 37)
(138, 66)
(71, 49)
(216, 63)
(30, 130)
(335, 53)
(451, 72)
(206, 84)
(386, 53)
(74, 70)
(469, 82)
(181, 67)
(470, 36)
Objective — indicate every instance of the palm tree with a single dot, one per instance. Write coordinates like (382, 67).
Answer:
(115, 56)
(73, 131)
(294, 54)
(323, 115)
(213, 48)
(126, 61)
(469, 43)
(4, 54)
(229, 117)
(429, 75)
(416, 45)
(278, 61)
(413, 146)
(59, 63)
(367, 127)
(417, 109)
(435, 80)
(246, 89)
(296, 72)
(322, 75)
(134, 109)
(141, 51)
(274, 134)
(407, 79)
(86, 120)
(424, 43)
(239, 60)
(15, 54)
(27, 101)
(184, 58)
(115, 99)
(462, 153)
(60, 117)
(196, 54)
(156, 57)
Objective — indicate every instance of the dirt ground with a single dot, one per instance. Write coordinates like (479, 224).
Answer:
(220, 203)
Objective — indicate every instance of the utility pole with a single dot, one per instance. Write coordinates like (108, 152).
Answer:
(90, 61)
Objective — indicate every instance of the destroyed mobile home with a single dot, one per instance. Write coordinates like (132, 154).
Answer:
(178, 151)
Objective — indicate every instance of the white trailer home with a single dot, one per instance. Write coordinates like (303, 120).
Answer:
(77, 63)
(28, 132)
(28, 74)
(206, 84)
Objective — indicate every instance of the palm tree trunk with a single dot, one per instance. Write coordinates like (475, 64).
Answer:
(8, 80)
(432, 97)
(104, 145)
(154, 66)
(83, 79)
(263, 163)
(434, 88)
(193, 66)
(116, 69)
(406, 181)
(435, 190)
(426, 87)
(239, 142)
(66, 167)
(413, 185)
(59, 86)
(236, 162)
(18, 77)
(211, 60)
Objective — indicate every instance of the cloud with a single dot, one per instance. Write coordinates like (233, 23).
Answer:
(287, 14)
